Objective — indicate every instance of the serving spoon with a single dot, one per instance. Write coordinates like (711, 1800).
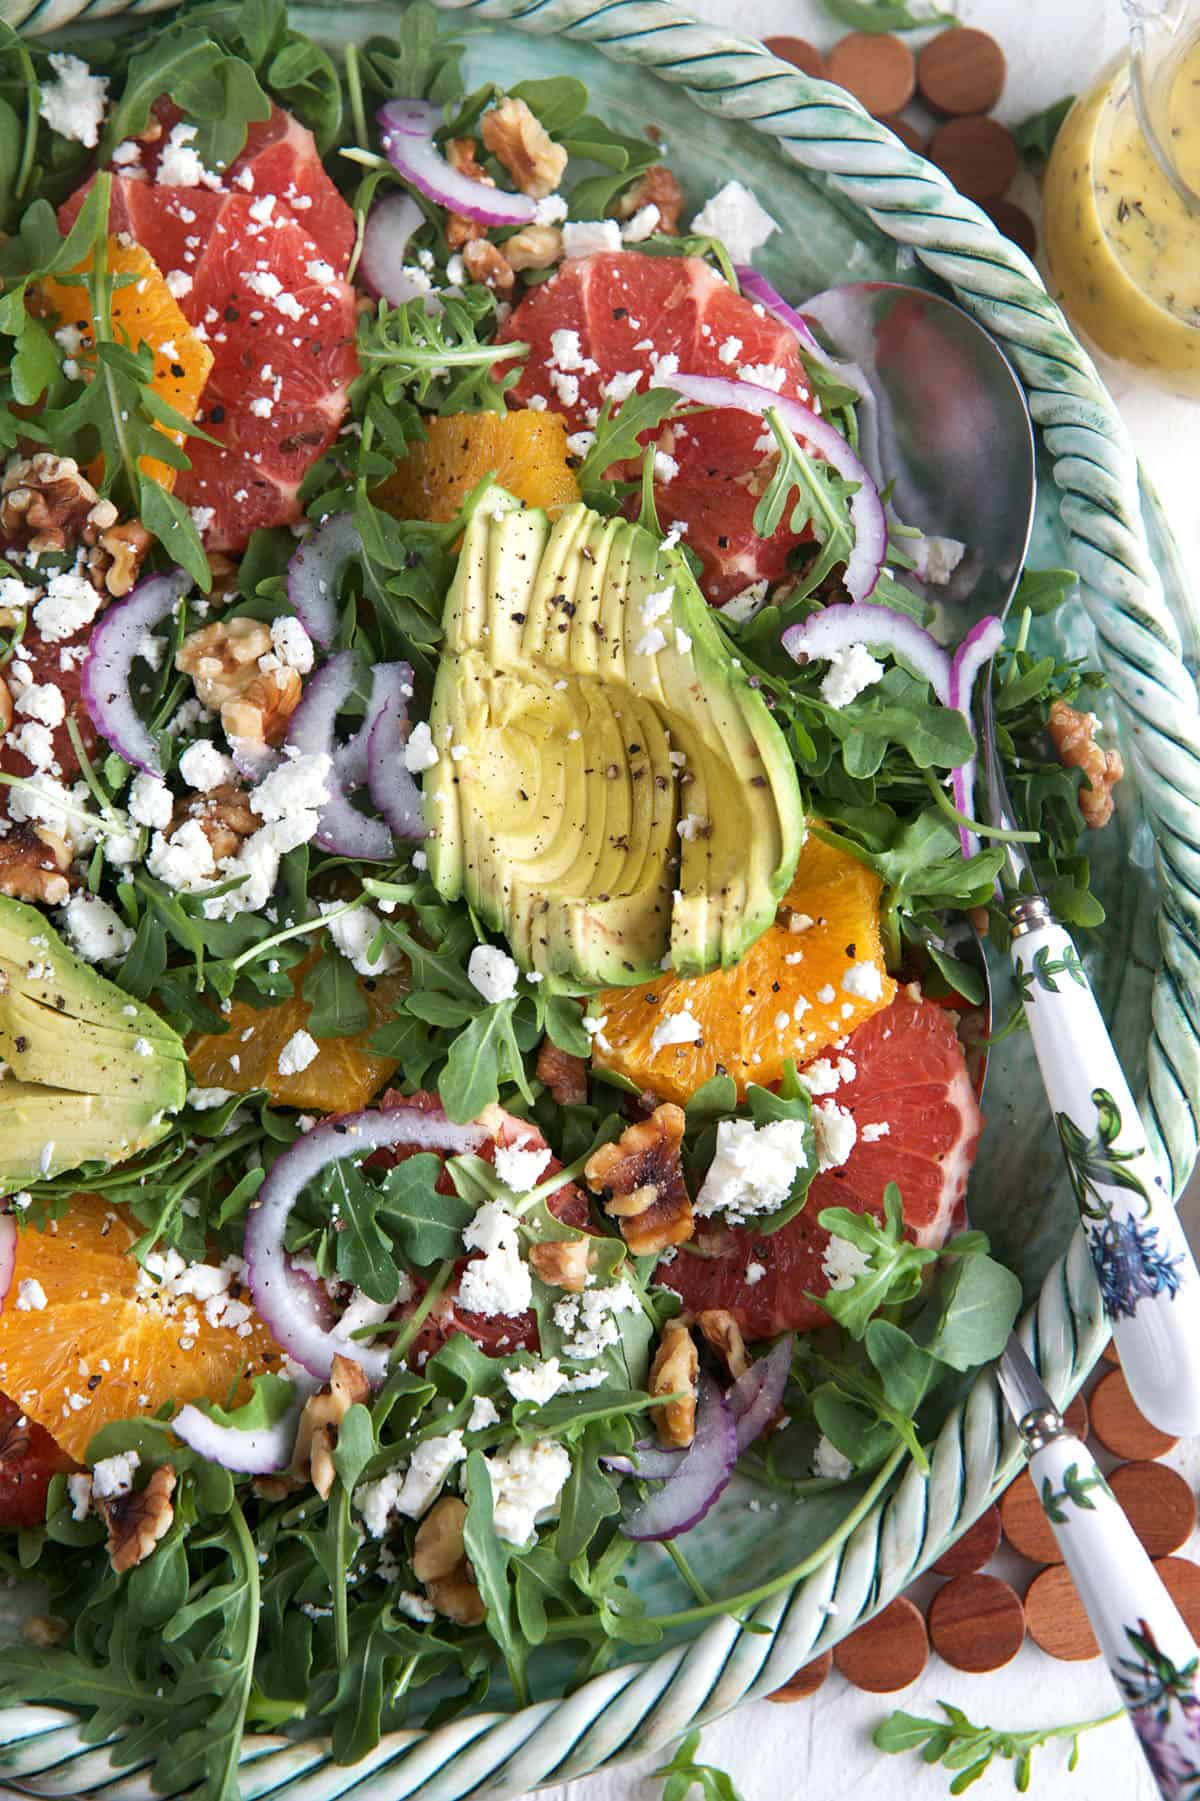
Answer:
(946, 424)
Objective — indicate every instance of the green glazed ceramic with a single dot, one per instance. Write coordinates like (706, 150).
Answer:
(852, 203)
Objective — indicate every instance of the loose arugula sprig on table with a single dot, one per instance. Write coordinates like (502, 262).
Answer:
(959, 1745)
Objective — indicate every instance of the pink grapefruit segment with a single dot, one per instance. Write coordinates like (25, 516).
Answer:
(635, 314)
(918, 1125)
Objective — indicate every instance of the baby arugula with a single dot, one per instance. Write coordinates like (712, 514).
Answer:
(968, 1749)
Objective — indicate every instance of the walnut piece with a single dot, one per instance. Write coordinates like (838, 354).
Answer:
(564, 1075)
(657, 187)
(6, 706)
(34, 864)
(534, 247)
(640, 1179)
(1074, 736)
(137, 1520)
(460, 154)
(323, 1413)
(724, 1334)
(439, 1562)
(674, 1371)
(561, 1263)
(222, 659)
(486, 265)
(524, 146)
(44, 503)
(225, 818)
(119, 555)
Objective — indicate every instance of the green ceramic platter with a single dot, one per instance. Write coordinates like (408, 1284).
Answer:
(851, 204)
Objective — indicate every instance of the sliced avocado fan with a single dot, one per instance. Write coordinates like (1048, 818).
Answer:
(92, 1076)
(610, 790)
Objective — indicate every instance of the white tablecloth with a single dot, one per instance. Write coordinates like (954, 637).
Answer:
(820, 1749)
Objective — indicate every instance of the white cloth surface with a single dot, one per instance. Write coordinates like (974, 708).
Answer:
(820, 1749)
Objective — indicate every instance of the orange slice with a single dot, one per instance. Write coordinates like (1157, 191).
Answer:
(787, 998)
(526, 451)
(143, 312)
(86, 1347)
(341, 1078)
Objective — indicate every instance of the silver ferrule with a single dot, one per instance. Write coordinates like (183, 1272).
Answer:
(1041, 1427)
(1029, 913)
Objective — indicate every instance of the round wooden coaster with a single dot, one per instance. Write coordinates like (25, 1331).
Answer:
(977, 1623)
(876, 68)
(1015, 223)
(1055, 1617)
(908, 134)
(1181, 1578)
(961, 71)
(977, 1544)
(808, 59)
(1160, 1505)
(806, 1681)
(1025, 1524)
(1110, 1353)
(887, 1653)
(1120, 1426)
(978, 154)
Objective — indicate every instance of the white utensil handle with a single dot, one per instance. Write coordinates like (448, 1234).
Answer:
(1147, 1646)
(1145, 1267)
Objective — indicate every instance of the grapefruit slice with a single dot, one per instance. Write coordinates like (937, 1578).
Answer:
(100, 1348)
(29, 1458)
(634, 313)
(918, 1125)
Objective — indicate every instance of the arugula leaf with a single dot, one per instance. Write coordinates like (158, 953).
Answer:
(616, 440)
(683, 1774)
(893, 1272)
(556, 101)
(337, 1005)
(271, 1399)
(419, 61)
(792, 1102)
(1035, 135)
(489, 1557)
(484, 1056)
(1042, 590)
(977, 1307)
(961, 1746)
(428, 1225)
(364, 1251)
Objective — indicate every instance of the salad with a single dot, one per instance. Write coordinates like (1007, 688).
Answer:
(483, 811)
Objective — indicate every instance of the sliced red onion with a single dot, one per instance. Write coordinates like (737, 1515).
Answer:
(391, 685)
(255, 1453)
(251, 759)
(104, 678)
(699, 1478)
(343, 829)
(866, 509)
(757, 1395)
(8, 1254)
(316, 568)
(756, 287)
(841, 625)
(381, 267)
(977, 648)
(408, 127)
(389, 780)
(278, 1294)
(648, 1460)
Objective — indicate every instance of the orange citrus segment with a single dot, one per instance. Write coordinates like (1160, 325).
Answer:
(99, 1350)
(787, 998)
(341, 1078)
(143, 312)
(526, 451)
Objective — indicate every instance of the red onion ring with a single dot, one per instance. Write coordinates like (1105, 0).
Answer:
(389, 781)
(342, 829)
(841, 625)
(408, 127)
(104, 678)
(391, 685)
(253, 1453)
(757, 288)
(647, 1460)
(278, 1295)
(8, 1255)
(757, 1395)
(977, 648)
(390, 224)
(700, 1477)
(866, 509)
(315, 570)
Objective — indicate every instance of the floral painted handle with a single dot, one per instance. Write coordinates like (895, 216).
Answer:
(1148, 1648)
(1147, 1274)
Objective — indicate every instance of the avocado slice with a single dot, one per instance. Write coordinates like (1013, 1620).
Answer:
(92, 1075)
(586, 707)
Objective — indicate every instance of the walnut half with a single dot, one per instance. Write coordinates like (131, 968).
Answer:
(561, 1263)
(1074, 735)
(33, 865)
(44, 503)
(641, 1181)
(439, 1562)
(137, 1520)
(524, 146)
(674, 1371)
(223, 661)
(323, 1413)
(723, 1333)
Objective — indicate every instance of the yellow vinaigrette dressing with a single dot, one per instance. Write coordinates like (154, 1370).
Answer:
(1122, 241)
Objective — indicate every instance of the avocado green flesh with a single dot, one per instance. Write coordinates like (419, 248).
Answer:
(573, 744)
(94, 1075)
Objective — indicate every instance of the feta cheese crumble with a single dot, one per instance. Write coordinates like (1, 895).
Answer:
(864, 980)
(520, 1169)
(420, 752)
(936, 559)
(590, 1319)
(73, 104)
(492, 973)
(828, 1461)
(96, 932)
(734, 216)
(850, 671)
(586, 237)
(836, 1135)
(538, 1382)
(675, 1028)
(754, 1168)
(498, 1282)
(843, 1263)
(300, 1050)
(355, 933)
(31, 1296)
(527, 1481)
